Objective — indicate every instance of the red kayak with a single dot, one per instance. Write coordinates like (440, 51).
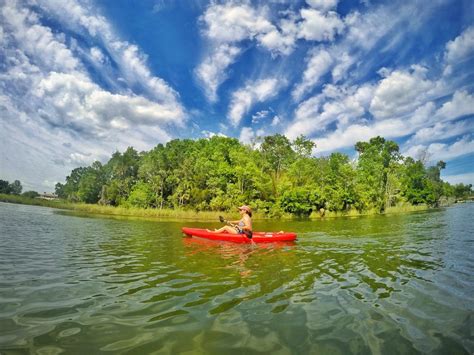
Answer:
(258, 237)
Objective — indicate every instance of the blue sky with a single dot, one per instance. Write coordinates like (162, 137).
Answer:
(82, 79)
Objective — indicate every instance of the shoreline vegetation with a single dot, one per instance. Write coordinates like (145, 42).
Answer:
(187, 214)
(278, 178)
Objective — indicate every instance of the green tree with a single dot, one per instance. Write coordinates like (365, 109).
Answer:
(278, 154)
(91, 182)
(303, 147)
(374, 167)
(461, 191)
(4, 187)
(15, 187)
(30, 194)
(142, 195)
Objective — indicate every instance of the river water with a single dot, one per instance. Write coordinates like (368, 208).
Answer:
(394, 284)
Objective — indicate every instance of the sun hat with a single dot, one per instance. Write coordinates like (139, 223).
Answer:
(245, 208)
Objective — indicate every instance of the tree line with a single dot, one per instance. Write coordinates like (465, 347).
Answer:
(275, 176)
(15, 188)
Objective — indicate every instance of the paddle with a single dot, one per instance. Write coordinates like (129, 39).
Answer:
(247, 233)
(226, 221)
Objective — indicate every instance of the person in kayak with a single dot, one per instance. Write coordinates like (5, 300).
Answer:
(242, 226)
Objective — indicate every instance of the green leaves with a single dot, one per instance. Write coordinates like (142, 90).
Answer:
(280, 176)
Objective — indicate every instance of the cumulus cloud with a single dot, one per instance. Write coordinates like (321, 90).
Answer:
(441, 131)
(319, 26)
(461, 104)
(54, 116)
(335, 104)
(248, 135)
(37, 41)
(253, 92)
(443, 151)
(358, 37)
(226, 25)
(74, 101)
(459, 49)
(401, 92)
(97, 55)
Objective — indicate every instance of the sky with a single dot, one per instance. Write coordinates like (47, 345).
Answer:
(80, 80)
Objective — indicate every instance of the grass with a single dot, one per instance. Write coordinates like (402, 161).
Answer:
(153, 213)
(120, 211)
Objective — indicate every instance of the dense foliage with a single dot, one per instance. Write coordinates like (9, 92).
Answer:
(10, 189)
(276, 176)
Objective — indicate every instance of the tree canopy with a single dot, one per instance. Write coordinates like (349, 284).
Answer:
(277, 176)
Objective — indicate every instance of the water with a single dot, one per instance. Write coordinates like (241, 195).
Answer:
(383, 284)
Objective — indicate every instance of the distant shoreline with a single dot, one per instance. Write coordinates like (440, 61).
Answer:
(188, 214)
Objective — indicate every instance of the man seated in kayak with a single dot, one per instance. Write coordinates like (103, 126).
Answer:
(242, 226)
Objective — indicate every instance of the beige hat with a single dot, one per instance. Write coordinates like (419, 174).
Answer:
(245, 208)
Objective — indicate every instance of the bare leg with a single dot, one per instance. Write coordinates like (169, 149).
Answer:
(228, 229)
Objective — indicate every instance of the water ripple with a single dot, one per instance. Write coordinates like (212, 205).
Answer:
(78, 284)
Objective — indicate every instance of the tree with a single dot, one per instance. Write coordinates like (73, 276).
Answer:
(60, 190)
(141, 196)
(374, 166)
(462, 191)
(90, 184)
(278, 154)
(30, 194)
(4, 187)
(303, 147)
(15, 187)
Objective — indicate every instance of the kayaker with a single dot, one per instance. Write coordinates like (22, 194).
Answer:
(241, 226)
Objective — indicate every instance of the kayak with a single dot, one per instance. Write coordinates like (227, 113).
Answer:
(258, 237)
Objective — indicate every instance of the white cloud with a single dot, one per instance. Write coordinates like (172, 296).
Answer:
(37, 41)
(276, 121)
(226, 25)
(54, 116)
(459, 49)
(442, 130)
(97, 55)
(465, 179)
(348, 136)
(130, 60)
(401, 92)
(75, 101)
(323, 5)
(232, 23)
(344, 62)
(335, 104)
(443, 151)
(462, 104)
(319, 26)
(257, 91)
(318, 64)
(211, 72)
(259, 116)
(246, 135)
(209, 134)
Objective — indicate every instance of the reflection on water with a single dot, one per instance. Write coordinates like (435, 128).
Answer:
(383, 284)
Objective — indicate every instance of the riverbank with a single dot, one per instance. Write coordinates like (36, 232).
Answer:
(187, 214)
